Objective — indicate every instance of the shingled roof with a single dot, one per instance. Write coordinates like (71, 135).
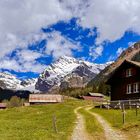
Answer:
(96, 94)
(45, 98)
(3, 105)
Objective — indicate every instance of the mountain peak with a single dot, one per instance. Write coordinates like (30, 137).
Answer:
(66, 59)
(64, 67)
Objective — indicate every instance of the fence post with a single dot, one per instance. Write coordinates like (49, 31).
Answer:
(101, 104)
(123, 113)
(120, 104)
(136, 109)
(129, 104)
(54, 123)
(107, 104)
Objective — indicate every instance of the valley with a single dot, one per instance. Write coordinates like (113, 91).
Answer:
(75, 120)
(69, 70)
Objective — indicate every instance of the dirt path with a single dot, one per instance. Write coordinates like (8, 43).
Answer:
(110, 133)
(79, 132)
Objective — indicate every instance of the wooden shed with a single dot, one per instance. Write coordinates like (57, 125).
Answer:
(45, 98)
(94, 96)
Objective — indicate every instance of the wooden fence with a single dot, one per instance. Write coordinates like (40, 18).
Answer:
(120, 104)
(124, 106)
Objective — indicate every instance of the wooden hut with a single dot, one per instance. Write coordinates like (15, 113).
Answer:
(45, 98)
(94, 96)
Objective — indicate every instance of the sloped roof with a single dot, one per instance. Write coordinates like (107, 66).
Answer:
(3, 105)
(96, 94)
(135, 63)
(45, 98)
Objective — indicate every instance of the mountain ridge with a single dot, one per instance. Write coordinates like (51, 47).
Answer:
(64, 67)
(64, 71)
(9, 81)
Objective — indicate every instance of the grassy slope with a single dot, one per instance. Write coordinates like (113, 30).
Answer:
(114, 117)
(92, 126)
(35, 122)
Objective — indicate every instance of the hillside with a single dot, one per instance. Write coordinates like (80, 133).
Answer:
(132, 53)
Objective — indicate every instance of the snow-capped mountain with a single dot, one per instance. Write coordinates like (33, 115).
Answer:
(66, 68)
(29, 85)
(9, 81)
(28, 82)
(65, 72)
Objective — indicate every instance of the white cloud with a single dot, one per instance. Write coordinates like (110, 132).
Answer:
(28, 55)
(131, 43)
(10, 64)
(111, 58)
(96, 51)
(26, 66)
(120, 50)
(112, 17)
(58, 45)
(24, 59)
(21, 23)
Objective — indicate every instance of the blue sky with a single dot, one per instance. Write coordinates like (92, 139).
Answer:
(41, 32)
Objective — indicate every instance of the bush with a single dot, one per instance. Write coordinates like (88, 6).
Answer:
(14, 102)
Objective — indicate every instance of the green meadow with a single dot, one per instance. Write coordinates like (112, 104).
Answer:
(131, 127)
(35, 122)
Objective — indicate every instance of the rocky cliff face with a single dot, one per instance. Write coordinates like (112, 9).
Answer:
(67, 72)
(29, 85)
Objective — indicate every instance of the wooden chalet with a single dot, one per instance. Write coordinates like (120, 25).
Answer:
(45, 98)
(125, 81)
(94, 96)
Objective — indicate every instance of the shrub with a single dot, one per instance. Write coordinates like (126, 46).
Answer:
(15, 102)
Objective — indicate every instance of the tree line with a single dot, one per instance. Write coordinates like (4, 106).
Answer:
(77, 92)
